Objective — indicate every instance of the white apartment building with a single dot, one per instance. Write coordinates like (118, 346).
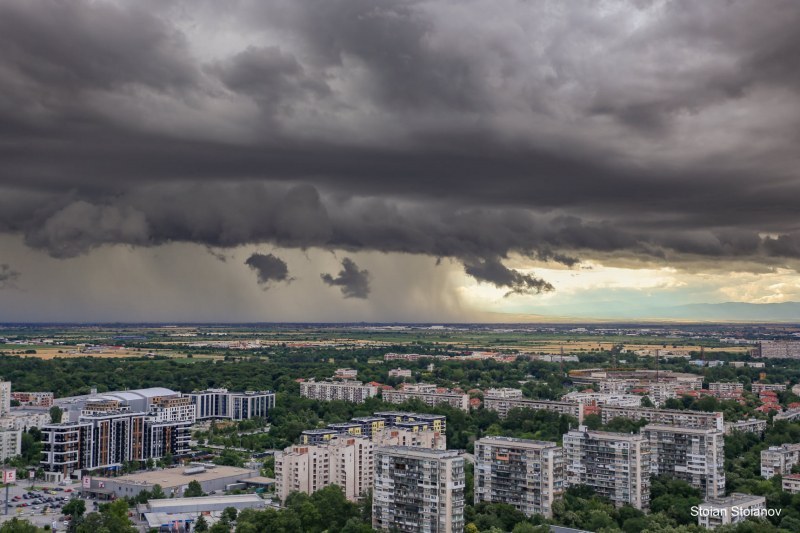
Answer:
(223, 404)
(730, 510)
(725, 387)
(600, 398)
(349, 391)
(615, 465)
(25, 418)
(343, 460)
(751, 425)
(504, 392)
(671, 417)
(428, 396)
(761, 387)
(399, 373)
(10, 443)
(779, 460)
(5, 397)
(504, 405)
(345, 373)
(694, 455)
(418, 491)
(527, 474)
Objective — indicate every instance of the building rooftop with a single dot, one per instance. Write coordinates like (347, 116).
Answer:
(206, 502)
(518, 442)
(734, 499)
(413, 451)
(680, 429)
(175, 477)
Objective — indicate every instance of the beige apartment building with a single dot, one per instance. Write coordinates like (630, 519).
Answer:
(527, 474)
(694, 455)
(343, 461)
(418, 491)
(346, 390)
(615, 465)
(427, 395)
(779, 460)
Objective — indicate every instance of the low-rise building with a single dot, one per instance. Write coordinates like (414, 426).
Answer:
(751, 425)
(779, 460)
(345, 373)
(761, 387)
(175, 514)
(33, 399)
(346, 390)
(526, 474)
(173, 481)
(725, 387)
(504, 392)
(791, 483)
(399, 373)
(731, 509)
(25, 418)
(418, 491)
(600, 398)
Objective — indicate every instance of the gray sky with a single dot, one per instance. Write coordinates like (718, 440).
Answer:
(398, 160)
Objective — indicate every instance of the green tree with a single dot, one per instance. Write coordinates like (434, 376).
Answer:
(158, 492)
(193, 490)
(15, 525)
(229, 514)
(55, 414)
(201, 526)
(75, 508)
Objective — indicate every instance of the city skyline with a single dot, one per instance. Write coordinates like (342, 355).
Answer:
(412, 161)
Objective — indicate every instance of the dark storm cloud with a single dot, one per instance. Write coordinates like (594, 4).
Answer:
(7, 276)
(493, 271)
(353, 282)
(468, 130)
(269, 268)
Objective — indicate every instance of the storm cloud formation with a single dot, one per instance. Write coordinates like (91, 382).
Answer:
(474, 130)
(269, 268)
(353, 282)
(7, 276)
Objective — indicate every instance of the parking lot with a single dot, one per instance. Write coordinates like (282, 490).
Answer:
(40, 505)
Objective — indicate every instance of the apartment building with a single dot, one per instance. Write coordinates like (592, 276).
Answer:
(5, 397)
(33, 399)
(725, 387)
(779, 460)
(343, 460)
(751, 425)
(25, 418)
(429, 395)
(114, 428)
(694, 455)
(214, 404)
(599, 398)
(779, 349)
(671, 417)
(399, 373)
(346, 390)
(730, 510)
(758, 388)
(387, 428)
(615, 465)
(504, 392)
(10, 443)
(345, 373)
(504, 405)
(527, 474)
(418, 491)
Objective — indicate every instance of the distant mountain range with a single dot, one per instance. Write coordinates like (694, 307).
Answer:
(738, 311)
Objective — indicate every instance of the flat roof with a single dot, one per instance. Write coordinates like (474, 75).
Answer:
(680, 429)
(174, 477)
(518, 442)
(415, 451)
(260, 480)
(736, 498)
(164, 505)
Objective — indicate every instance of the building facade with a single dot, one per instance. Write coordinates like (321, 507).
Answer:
(527, 474)
(349, 391)
(779, 460)
(33, 399)
(694, 455)
(222, 404)
(429, 396)
(343, 461)
(418, 491)
(115, 428)
(615, 465)
(10, 443)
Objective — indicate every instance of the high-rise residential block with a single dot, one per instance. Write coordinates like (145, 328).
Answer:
(418, 490)
(615, 465)
(526, 474)
(694, 455)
